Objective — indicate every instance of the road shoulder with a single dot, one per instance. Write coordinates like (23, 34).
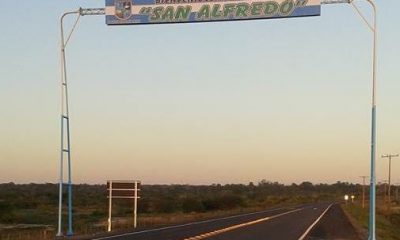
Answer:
(334, 225)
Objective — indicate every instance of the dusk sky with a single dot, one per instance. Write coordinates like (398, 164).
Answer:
(284, 100)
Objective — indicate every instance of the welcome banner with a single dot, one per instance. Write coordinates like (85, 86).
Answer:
(125, 12)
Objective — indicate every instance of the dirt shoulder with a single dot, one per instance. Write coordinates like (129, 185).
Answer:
(335, 225)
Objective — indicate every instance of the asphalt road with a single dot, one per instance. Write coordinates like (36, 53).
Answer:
(280, 224)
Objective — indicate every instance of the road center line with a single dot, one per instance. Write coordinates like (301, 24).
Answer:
(314, 223)
(188, 224)
(216, 232)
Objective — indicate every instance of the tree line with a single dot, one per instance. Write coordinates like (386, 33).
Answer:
(37, 203)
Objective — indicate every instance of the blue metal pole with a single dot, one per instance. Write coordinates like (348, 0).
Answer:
(372, 207)
(372, 188)
(65, 117)
(372, 196)
(60, 190)
(69, 232)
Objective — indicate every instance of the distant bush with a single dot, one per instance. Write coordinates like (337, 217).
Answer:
(165, 205)
(6, 212)
(192, 205)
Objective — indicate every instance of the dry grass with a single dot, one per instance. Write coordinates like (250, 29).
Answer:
(159, 220)
(387, 221)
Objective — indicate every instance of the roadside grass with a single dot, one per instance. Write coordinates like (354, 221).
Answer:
(95, 221)
(387, 222)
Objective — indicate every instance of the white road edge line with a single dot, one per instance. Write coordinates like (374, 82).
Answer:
(314, 223)
(190, 224)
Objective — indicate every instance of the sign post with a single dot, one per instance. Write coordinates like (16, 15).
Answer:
(122, 189)
(109, 206)
(135, 205)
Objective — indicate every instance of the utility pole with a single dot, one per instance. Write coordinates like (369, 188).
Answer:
(363, 191)
(383, 184)
(390, 156)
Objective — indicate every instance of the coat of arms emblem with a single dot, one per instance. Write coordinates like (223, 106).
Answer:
(123, 9)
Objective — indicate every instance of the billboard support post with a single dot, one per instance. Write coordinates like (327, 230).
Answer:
(65, 146)
(122, 189)
(109, 207)
(135, 205)
(372, 188)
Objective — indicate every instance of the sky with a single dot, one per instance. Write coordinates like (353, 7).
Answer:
(285, 100)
